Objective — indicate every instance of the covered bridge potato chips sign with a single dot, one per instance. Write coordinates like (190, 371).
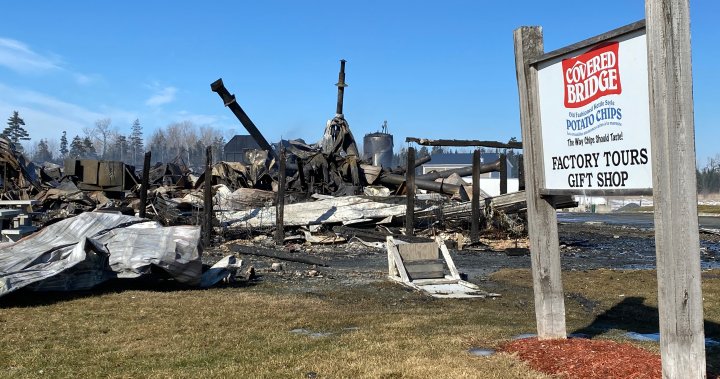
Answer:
(595, 117)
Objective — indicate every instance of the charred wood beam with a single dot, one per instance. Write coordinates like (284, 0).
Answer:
(230, 102)
(145, 184)
(429, 185)
(374, 235)
(280, 203)
(462, 171)
(410, 188)
(263, 252)
(457, 142)
(475, 220)
(207, 198)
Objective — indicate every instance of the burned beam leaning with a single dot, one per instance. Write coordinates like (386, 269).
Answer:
(230, 102)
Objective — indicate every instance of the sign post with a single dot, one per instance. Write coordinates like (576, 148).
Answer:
(613, 115)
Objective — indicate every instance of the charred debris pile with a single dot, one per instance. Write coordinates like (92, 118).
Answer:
(325, 192)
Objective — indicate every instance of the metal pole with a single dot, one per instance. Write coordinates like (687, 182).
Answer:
(280, 202)
(145, 184)
(410, 189)
(208, 206)
(341, 87)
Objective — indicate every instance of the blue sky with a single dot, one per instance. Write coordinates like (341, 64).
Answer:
(431, 69)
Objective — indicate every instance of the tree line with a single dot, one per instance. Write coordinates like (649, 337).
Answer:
(183, 141)
(708, 177)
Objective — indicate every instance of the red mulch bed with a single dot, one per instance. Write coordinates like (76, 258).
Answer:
(587, 359)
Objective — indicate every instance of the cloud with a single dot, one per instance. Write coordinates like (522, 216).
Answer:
(18, 57)
(162, 96)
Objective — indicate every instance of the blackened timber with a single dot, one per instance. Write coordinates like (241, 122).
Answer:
(263, 252)
(208, 206)
(410, 188)
(144, 185)
(503, 174)
(280, 203)
(475, 220)
(457, 142)
(230, 102)
(462, 171)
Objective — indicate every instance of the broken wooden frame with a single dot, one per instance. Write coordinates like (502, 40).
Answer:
(419, 266)
(682, 342)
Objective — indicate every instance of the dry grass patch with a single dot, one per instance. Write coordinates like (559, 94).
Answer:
(376, 330)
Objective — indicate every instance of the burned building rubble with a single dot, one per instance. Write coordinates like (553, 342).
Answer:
(293, 190)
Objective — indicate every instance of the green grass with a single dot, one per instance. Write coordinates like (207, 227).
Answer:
(379, 330)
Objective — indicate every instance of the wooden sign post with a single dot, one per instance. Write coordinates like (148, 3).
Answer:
(600, 117)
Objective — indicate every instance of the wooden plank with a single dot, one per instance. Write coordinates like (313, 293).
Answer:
(637, 25)
(677, 240)
(418, 251)
(597, 192)
(448, 259)
(432, 269)
(542, 219)
(393, 252)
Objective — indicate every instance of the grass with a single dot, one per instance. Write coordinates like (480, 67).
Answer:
(379, 330)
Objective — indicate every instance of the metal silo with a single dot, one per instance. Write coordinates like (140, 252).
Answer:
(378, 149)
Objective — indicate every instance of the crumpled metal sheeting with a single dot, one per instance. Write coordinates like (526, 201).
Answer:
(56, 264)
(97, 244)
(136, 249)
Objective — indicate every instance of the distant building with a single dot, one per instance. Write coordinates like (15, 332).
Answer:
(444, 161)
(235, 149)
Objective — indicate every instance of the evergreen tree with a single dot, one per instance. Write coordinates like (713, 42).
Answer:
(89, 148)
(43, 153)
(15, 130)
(136, 141)
(437, 150)
(77, 149)
(64, 145)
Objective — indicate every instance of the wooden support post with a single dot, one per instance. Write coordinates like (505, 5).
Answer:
(301, 174)
(475, 201)
(410, 189)
(207, 201)
(677, 241)
(542, 218)
(521, 173)
(280, 202)
(145, 184)
(503, 174)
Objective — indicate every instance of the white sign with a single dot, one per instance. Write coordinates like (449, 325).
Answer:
(594, 111)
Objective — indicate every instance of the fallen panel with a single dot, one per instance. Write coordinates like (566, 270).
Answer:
(327, 211)
(83, 251)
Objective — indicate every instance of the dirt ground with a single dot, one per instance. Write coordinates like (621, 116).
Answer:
(583, 245)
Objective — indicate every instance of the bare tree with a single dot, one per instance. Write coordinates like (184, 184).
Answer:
(100, 134)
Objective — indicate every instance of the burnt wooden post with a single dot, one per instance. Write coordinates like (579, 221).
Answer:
(475, 201)
(280, 201)
(207, 203)
(677, 241)
(542, 218)
(145, 184)
(410, 189)
(301, 174)
(503, 174)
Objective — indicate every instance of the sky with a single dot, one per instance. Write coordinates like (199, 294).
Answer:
(431, 69)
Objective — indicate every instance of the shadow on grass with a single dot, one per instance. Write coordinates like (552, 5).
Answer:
(25, 298)
(632, 315)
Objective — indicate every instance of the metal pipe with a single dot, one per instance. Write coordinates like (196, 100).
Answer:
(462, 171)
(341, 87)
(230, 102)
(446, 188)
